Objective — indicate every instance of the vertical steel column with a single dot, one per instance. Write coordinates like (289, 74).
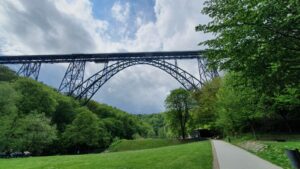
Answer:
(30, 70)
(73, 76)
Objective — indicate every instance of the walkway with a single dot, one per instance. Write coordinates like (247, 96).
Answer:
(232, 157)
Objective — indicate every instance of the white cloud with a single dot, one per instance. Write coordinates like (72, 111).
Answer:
(120, 11)
(68, 26)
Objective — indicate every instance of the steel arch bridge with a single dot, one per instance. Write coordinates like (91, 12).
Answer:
(74, 83)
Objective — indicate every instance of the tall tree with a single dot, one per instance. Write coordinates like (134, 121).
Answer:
(36, 97)
(238, 108)
(83, 134)
(179, 104)
(64, 113)
(260, 40)
(205, 114)
(34, 133)
(8, 114)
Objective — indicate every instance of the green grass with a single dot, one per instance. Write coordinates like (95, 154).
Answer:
(274, 151)
(186, 156)
(139, 144)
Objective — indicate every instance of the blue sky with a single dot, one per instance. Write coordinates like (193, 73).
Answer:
(102, 9)
(97, 26)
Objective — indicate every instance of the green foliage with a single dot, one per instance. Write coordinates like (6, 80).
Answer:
(7, 74)
(34, 133)
(204, 114)
(64, 112)
(259, 39)
(84, 131)
(8, 99)
(155, 124)
(36, 97)
(192, 156)
(237, 107)
(179, 103)
(8, 114)
(24, 103)
(270, 150)
(258, 43)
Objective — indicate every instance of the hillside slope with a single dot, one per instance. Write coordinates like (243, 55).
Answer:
(139, 144)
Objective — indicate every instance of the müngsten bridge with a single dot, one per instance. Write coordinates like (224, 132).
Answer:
(74, 83)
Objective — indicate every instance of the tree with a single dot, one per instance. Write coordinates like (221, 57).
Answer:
(179, 103)
(83, 134)
(7, 74)
(260, 40)
(205, 114)
(33, 133)
(238, 108)
(64, 113)
(8, 114)
(8, 99)
(36, 97)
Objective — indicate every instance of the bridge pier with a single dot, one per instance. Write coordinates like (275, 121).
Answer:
(30, 70)
(204, 73)
(73, 76)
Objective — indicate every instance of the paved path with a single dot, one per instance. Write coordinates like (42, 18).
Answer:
(232, 157)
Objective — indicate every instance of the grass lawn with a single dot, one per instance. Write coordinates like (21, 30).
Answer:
(186, 156)
(139, 144)
(272, 151)
(275, 152)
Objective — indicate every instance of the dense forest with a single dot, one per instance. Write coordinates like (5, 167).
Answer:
(37, 118)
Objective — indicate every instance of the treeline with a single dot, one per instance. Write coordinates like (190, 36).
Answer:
(37, 118)
(256, 44)
(228, 106)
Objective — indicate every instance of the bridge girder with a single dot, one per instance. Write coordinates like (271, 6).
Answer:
(91, 85)
(73, 82)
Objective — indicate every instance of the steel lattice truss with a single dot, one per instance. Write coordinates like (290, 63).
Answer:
(90, 86)
(73, 76)
(30, 70)
(73, 82)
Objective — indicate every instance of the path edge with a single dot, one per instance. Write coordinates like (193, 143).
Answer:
(215, 157)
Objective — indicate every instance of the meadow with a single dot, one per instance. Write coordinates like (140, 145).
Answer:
(184, 156)
(138, 144)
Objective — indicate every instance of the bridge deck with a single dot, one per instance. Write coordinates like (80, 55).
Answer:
(99, 57)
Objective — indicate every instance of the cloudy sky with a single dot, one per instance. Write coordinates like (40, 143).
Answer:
(97, 26)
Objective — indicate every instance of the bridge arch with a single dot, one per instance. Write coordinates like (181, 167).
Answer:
(88, 88)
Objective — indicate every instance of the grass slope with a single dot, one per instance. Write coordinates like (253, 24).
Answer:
(139, 144)
(272, 151)
(275, 152)
(186, 156)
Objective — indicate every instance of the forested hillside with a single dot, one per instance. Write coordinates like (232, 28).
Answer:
(36, 118)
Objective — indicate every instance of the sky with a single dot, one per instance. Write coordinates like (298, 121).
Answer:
(99, 26)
